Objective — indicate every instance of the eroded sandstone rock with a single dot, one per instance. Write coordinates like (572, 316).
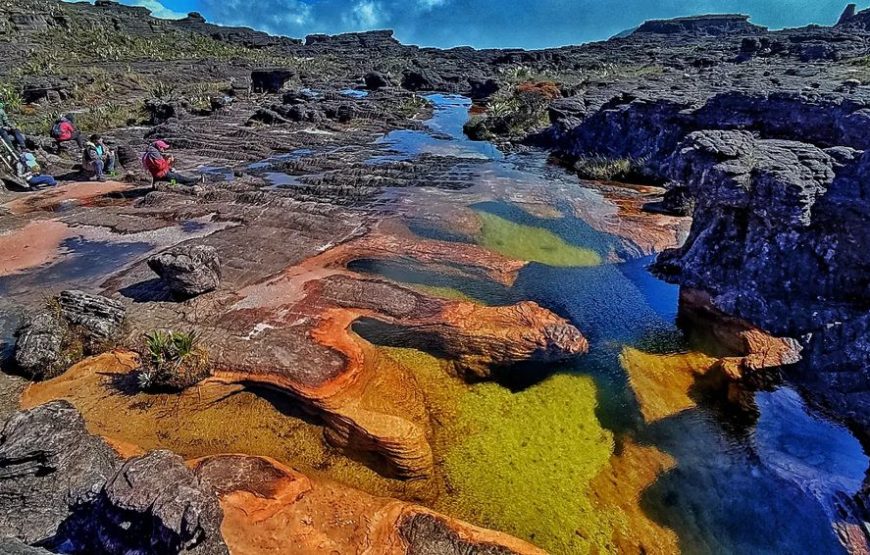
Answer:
(152, 504)
(188, 270)
(49, 465)
(271, 507)
(76, 324)
(100, 316)
(39, 349)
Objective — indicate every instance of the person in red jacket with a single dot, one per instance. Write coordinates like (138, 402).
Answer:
(64, 130)
(159, 165)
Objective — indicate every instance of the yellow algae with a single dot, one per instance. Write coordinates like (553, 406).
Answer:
(617, 490)
(662, 382)
(209, 419)
(525, 464)
(531, 244)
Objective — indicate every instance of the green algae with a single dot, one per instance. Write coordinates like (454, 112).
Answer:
(525, 462)
(445, 292)
(520, 463)
(532, 244)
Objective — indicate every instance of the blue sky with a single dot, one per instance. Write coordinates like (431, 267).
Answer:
(487, 23)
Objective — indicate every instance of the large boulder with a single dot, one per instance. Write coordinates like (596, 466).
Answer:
(101, 317)
(77, 324)
(153, 504)
(376, 80)
(49, 464)
(39, 348)
(188, 270)
(270, 80)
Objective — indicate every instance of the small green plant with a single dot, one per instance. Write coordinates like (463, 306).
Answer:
(603, 168)
(11, 98)
(172, 360)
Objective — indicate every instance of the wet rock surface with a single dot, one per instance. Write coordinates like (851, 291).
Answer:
(758, 135)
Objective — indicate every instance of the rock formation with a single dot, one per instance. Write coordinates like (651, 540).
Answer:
(152, 503)
(76, 324)
(270, 506)
(188, 270)
(49, 466)
(68, 490)
(714, 25)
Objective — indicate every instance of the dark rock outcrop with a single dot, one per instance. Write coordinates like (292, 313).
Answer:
(847, 14)
(375, 80)
(715, 25)
(38, 351)
(271, 80)
(429, 535)
(153, 504)
(77, 325)
(66, 489)
(101, 317)
(49, 465)
(188, 270)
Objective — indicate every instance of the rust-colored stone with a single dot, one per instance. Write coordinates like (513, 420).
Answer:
(270, 508)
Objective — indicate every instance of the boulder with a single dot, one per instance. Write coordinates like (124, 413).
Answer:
(39, 348)
(152, 504)
(49, 463)
(101, 317)
(80, 324)
(481, 89)
(419, 80)
(188, 270)
(375, 80)
(270, 80)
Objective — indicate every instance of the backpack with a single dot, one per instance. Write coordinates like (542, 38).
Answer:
(56, 130)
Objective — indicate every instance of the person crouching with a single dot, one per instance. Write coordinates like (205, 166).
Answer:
(159, 165)
(98, 159)
(29, 170)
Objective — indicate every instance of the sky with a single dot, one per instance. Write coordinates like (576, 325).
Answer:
(486, 23)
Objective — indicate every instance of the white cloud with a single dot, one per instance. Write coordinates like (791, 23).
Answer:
(157, 9)
(430, 4)
(368, 14)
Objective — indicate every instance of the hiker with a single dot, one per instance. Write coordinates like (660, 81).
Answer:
(98, 158)
(159, 165)
(29, 170)
(65, 130)
(6, 128)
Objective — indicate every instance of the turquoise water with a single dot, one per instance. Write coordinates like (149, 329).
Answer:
(757, 480)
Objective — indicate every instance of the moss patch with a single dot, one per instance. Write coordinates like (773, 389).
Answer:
(444, 292)
(525, 462)
(533, 244)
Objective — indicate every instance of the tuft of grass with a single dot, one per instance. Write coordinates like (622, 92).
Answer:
(11, 98)
(111, 115)
(604, 168)
(172, 360)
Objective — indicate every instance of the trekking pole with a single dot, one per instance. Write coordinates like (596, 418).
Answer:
(11, 153)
